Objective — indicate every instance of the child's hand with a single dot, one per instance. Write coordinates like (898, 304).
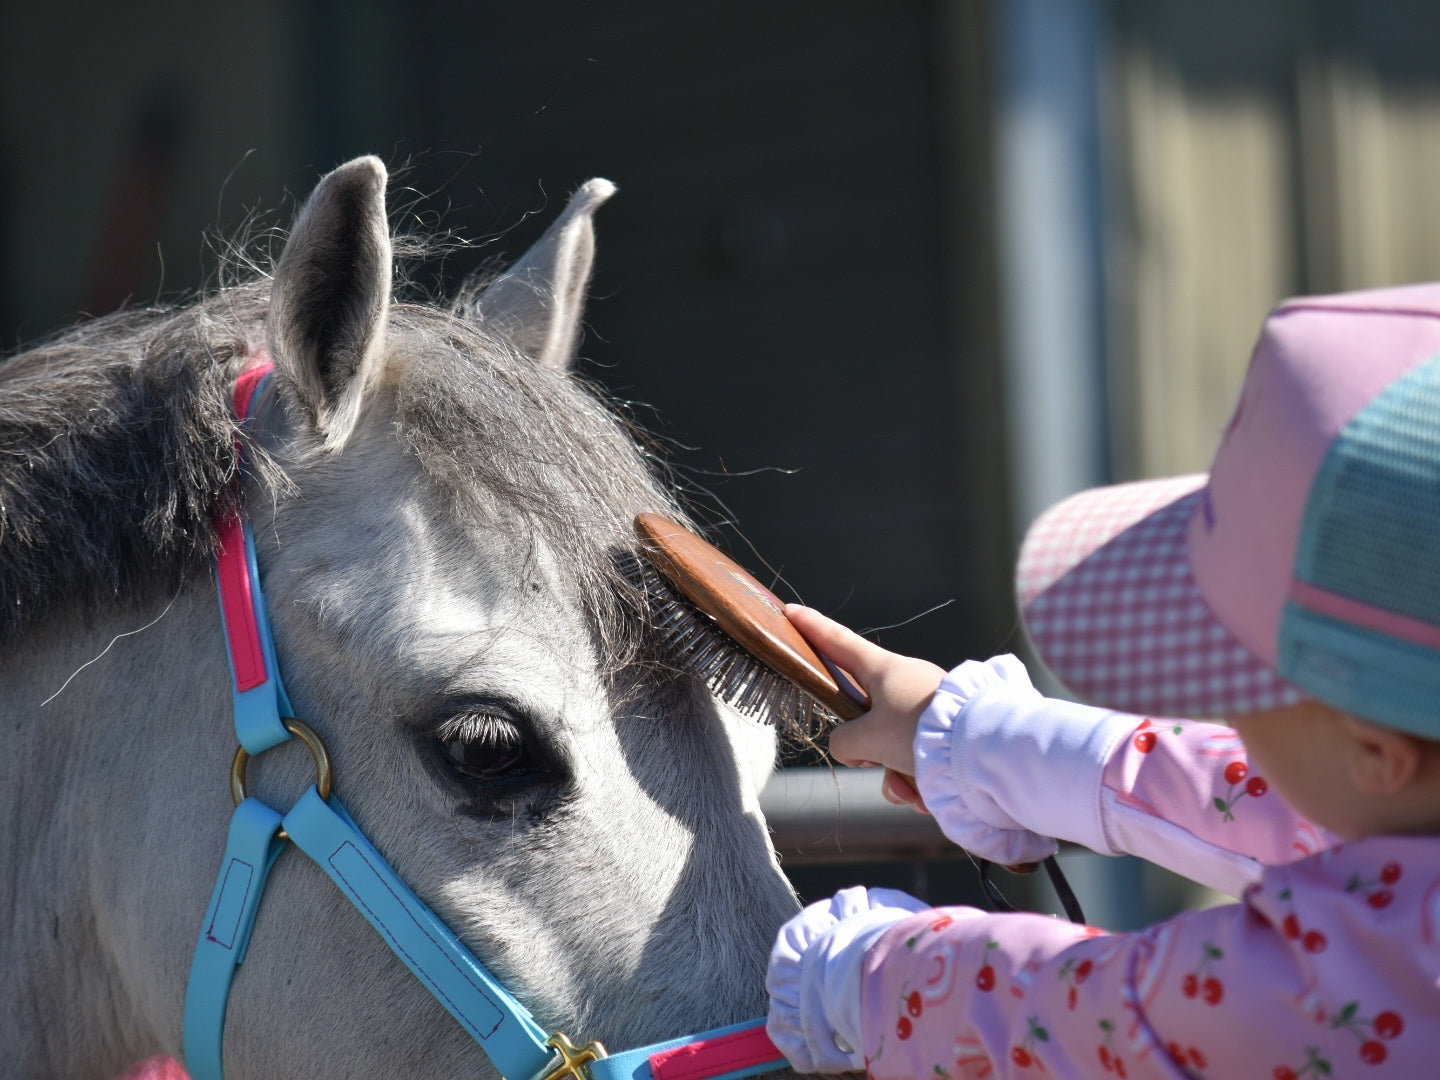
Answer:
(900, 688)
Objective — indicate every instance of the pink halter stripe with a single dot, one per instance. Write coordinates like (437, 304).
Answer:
(232, 566)
(249, 380)
(717, 1056)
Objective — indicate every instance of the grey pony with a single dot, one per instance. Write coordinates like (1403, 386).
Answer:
(438, 506)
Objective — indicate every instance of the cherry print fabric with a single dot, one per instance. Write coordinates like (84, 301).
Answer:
(1181, 794)
(1328, 967)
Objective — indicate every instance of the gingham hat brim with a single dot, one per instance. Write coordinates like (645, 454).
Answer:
(1110, 604)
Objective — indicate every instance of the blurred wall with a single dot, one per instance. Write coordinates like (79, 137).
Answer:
(1256, 151)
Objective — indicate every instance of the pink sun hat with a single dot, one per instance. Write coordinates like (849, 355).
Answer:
(1306, 564)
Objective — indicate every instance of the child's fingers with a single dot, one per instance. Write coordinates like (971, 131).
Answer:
(902, 790)
(839, 643)
(874, 739)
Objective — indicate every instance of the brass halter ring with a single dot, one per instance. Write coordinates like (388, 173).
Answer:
(324, 775)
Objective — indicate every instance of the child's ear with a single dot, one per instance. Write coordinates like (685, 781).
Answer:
(1383, 761)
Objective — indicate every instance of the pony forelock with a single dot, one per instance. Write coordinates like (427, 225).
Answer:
(567, 469)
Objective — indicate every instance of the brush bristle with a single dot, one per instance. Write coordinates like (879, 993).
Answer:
(696, 643)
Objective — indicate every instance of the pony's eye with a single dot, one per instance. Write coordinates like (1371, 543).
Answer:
(486, 747)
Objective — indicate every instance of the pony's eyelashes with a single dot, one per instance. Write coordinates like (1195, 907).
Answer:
(493, 752)
(484, 746)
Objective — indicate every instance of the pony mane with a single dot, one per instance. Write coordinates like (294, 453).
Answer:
(117, 455)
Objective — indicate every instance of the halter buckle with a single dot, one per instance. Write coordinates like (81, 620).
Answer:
(573, 1059)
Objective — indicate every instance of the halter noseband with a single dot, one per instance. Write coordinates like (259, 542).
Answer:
(320, 827)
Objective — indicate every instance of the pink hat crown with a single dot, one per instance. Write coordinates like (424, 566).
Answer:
(1169, 596)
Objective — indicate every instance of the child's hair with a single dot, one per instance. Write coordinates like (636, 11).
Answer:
(1304, 565)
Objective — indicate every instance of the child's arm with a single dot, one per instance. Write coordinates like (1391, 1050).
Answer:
(1004, 769)
(991, 751)
(1241, 990)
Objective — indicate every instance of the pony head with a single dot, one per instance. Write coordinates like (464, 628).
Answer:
(441, 512)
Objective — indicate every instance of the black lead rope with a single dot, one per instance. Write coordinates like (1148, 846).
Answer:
(1067, 897)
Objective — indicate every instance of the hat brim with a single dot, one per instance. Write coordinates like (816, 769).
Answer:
(1113, 610)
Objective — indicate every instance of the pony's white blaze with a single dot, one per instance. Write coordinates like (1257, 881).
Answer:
(437, 528)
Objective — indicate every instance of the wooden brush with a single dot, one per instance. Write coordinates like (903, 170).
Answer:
(732, 632)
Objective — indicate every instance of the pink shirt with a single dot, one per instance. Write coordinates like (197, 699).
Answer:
(1327, 968)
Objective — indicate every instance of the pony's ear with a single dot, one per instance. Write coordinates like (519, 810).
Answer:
(538, 302)
(330, 297)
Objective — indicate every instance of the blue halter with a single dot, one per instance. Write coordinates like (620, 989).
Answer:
(320, 827)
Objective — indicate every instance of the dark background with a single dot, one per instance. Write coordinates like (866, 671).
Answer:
(794, 288)
(793, 281)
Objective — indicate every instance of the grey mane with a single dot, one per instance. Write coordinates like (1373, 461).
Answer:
(116, 454)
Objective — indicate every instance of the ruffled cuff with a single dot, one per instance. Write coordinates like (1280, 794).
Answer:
(814, 976)
(1007, 771)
